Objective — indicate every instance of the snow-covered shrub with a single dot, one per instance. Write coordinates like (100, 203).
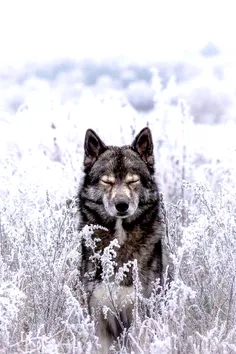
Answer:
(140, 95)
(209, 106)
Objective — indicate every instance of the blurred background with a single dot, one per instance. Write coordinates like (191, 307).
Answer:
(62, 47)
(116, 66)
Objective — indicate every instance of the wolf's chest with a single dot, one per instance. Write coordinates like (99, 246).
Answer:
(132, 245)
(120, 233)
(129, 244)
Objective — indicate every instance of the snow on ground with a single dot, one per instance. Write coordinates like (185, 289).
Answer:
(41, 156)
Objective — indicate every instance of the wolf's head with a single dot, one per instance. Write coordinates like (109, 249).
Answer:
(119, 181)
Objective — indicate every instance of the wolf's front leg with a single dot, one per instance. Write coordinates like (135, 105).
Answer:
(119, 304)
(105, 337)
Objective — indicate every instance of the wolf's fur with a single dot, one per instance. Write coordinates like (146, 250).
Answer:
(119, 192)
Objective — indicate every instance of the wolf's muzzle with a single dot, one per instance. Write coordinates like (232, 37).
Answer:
(122, 207)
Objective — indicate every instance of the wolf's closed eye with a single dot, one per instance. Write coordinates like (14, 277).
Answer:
(107, 180)
(132, 179)
(133, 182)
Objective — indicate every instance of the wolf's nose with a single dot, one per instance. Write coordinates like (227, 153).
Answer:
(122, 207)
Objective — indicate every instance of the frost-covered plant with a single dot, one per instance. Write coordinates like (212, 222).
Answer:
(43, 306)
(37, 303)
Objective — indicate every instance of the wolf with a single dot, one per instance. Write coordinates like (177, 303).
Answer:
(119, 192)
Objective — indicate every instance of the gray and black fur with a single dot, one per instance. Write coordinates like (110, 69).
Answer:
(119, 192)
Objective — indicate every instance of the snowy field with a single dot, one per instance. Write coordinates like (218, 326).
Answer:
(41, 152)
(47, 102)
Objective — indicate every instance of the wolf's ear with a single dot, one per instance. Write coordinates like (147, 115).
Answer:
(143, 145)
(93, 147)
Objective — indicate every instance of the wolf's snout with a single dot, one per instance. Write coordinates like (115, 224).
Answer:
(122, 207)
